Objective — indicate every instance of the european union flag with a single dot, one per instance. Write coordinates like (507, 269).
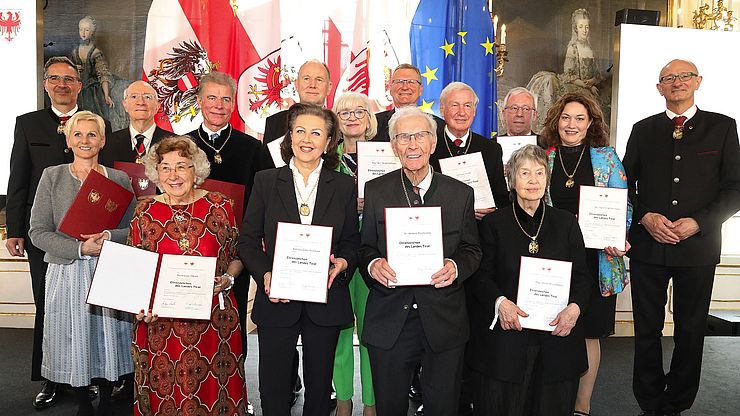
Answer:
(452, 40)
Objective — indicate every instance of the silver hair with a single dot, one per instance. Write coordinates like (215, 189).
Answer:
(186, 148)
(350, 100)
(125, 92)
(220, 78)
(59, 60)
(411, 111)
(520, 90)
(456, 86)
(531, 153)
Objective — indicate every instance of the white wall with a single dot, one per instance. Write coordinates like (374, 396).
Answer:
(641, 52)
(19, 75)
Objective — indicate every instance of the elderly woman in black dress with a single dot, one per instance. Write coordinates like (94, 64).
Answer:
(520, 371)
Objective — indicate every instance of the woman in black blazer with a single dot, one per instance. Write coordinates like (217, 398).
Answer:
(526, 372)
(309, 191)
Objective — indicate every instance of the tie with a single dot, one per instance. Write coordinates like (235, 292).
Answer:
(678, 127)
(140, 149)
(213, 137)
(63, 119)
(458, 142)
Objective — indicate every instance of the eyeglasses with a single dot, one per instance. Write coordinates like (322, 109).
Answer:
(406, 82)
(683, 76)
(167, 169)
(59, 79)
(515, 108)
(359, 113)
(146, 97)
(405, 138)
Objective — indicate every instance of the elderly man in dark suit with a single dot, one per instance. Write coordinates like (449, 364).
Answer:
(457, 103)
(683, 169)
(406, 88)
(234, 156)
(130, 144)
(412, 324)
(313, 85)
(520, 111)
(39, 142)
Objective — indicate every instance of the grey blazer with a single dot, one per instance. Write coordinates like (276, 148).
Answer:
(56, 190)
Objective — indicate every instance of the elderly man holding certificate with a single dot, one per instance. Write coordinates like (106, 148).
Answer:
(427, 321)
(466, 155)
(306, 214)
(527, 346)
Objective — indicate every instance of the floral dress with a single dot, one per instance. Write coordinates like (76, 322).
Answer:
(185, 366)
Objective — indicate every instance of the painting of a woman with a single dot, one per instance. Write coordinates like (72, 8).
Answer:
(102, 91)
(581, 72)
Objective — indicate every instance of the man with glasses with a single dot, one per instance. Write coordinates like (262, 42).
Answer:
(520, 111)
(131, 144)
(234, 156)
(406, 88)
(409, 324)
(683, 170)
(39, 142)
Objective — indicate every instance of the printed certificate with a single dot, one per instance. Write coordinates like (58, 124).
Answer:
(511, 143)
(374, 159)
(602, 216)
(173, 286)
(300, 269)
(470, 170)
(414, 243)
(544, 288)
(184, 287)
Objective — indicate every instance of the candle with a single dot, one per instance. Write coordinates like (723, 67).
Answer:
(678, 18)
(495, 25)
(503, 34)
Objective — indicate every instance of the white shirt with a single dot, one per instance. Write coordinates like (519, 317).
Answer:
(304, 190)
(59, 113)
(688, 113)
(209, 132)
(425, 183)
(463, 139)
(148, 134)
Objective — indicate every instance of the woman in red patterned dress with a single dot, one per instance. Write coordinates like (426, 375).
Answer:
(185, 366)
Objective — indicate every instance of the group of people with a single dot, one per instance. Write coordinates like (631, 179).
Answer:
(457, 341)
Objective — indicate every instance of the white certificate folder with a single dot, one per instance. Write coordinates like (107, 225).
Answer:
(300, 268)
(414, 244)
(544, 289)
(602, 216)
(130, 279)
(471, 170)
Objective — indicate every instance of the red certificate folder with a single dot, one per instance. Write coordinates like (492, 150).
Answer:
(139, 182)
(235, 191)
(99, 205)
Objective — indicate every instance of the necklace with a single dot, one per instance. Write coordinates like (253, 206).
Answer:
(304, 209)
(467, 146)
(217, 156)
(570, 182)
(405, 192)
(534, 246)
(183, 242)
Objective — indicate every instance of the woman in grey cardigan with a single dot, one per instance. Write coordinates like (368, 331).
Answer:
(83, 344)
